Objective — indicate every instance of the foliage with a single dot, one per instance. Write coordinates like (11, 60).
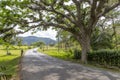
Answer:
(19, 42)
(67, 40)
(75, 17)
(105, 57)
(38, 44)
(51, 45)
(10, 13)
(110, 24)
(101, 40)
(77, 54)
(4, 76)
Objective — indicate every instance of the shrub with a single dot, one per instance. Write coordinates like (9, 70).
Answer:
(77, 54)
(29, 47)
(105, 57)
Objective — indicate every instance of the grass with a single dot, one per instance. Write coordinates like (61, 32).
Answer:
(10, 61)
(61, 54)
(14, 47)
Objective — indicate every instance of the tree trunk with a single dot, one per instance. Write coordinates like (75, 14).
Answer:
(85, 45)
(84, 41)
(7, 49)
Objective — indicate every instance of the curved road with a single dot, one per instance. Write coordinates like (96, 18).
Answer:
(38, 66)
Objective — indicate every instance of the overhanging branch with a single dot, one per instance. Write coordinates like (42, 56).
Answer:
(109, 9)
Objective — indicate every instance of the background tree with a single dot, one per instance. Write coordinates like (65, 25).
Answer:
(101, 41)
(8, 39)
(109, 25)
(114, 18)
(39, 44)
(19, 42)
(66, 40)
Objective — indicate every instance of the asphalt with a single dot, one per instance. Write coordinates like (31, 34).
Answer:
(39, 66)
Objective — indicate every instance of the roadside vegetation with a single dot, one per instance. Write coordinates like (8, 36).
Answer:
(66, 55)
(105, 59)
(9, 63)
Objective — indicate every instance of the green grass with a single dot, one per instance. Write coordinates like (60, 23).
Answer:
(62, 54)
(14, 47)
(10, 62)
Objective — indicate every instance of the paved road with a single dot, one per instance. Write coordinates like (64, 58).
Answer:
(38, 66)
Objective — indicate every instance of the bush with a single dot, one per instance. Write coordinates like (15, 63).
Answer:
(29, 47)
(105, 57)
(69, 54)
(77, 54)
(9, 53)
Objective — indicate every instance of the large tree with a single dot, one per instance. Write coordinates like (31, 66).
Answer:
(78, 17)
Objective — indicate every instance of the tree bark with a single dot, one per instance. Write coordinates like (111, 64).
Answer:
(7, 49)
(84, 41)
(85, 46)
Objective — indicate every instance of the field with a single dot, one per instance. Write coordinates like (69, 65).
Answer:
(13, 47)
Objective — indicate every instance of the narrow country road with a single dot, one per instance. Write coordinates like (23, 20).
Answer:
(38, 66)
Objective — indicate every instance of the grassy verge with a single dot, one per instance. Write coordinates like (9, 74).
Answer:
(66, 55)
(10, 62)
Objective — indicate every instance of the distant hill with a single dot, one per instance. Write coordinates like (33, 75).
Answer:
(31, 39)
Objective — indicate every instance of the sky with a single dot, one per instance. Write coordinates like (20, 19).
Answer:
(48, 34)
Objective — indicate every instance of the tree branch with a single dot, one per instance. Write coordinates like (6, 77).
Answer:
(70, 13)
(42, 6)
(109, 9)
(66, 16)
(7, 29)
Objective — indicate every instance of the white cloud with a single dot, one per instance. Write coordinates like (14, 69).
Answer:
(49, 34)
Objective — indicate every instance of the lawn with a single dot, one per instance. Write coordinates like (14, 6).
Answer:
(10, 62)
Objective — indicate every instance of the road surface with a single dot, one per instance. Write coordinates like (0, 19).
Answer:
(38, 66)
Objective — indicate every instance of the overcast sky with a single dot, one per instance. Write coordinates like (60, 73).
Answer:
(49, 34)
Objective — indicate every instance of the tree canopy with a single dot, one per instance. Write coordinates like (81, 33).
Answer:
(78, 17)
